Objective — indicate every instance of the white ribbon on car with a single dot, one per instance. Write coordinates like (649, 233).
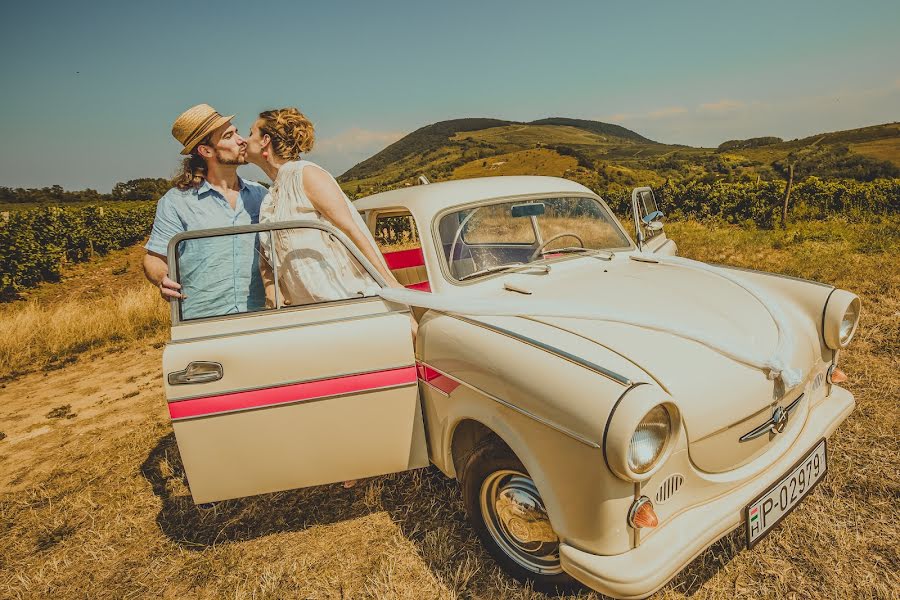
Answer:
(775, 365)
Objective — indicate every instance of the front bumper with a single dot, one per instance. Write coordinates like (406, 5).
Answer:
(643, 570)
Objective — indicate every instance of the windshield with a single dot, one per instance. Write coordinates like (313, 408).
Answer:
(483, 239)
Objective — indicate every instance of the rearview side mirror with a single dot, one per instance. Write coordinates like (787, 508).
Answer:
(532, 209)
(647, 216)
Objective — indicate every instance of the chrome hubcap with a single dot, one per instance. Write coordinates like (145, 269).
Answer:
(517, 520)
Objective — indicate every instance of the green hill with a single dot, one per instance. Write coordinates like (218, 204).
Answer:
(603, 154)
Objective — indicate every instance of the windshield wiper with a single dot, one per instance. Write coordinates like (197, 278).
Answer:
(518, 267)
(567, 250)
(491, 269)
(603, 254)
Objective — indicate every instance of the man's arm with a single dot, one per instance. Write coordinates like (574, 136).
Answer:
(156, 265)
(156, 270)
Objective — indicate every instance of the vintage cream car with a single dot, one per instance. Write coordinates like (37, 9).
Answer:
(610, 409)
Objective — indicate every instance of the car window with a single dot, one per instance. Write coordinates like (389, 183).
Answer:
(480, 240)
(492, 225)
(395, 232)
(238, 273)
(399, 243)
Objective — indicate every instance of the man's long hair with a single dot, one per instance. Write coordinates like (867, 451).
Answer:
(193, 170)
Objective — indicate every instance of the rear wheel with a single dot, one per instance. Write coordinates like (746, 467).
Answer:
(508, 514)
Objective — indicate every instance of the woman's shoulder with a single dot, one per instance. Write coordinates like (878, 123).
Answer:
(297, 168)
(301, 165)
(317, 177)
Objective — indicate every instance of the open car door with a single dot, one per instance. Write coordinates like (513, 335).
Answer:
(648, 223)
(267, 393)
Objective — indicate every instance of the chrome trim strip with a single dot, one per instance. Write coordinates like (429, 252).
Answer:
(620, 379)
(769, 426)
(172, 259)
(291, 403)
(291, 326)
(519, 410)
(435, 389)
(287, 383)
(767, 408)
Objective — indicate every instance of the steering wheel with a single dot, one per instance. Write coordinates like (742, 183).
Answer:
(540, 248)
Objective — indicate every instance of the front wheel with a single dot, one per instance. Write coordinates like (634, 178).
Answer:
(506, 511)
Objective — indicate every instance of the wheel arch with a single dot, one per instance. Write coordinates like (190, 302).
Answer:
(469, 432)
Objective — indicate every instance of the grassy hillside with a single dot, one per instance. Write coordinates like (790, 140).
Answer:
(601, 155)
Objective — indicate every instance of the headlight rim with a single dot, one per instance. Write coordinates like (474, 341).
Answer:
(837, 306)
(855, 305)
(622, 423)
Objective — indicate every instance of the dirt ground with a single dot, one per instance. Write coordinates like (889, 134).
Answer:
(93, 503)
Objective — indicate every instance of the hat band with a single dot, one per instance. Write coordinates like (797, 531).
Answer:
(197, 133)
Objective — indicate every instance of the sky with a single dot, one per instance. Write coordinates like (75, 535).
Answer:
(90, 90)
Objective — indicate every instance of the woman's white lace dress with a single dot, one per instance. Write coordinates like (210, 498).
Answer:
(312, 265)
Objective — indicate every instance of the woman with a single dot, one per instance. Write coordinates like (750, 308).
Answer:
(312, 266)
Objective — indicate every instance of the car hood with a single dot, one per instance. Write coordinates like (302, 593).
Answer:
(712, 390)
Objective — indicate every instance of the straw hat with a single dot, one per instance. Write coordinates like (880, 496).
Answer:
(196, 123)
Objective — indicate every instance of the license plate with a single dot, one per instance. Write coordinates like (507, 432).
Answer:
(775, 503)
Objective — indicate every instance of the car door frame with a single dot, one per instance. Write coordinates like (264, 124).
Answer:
(304, 315)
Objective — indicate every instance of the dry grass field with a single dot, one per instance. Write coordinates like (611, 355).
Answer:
(93, 503)
(523, 162)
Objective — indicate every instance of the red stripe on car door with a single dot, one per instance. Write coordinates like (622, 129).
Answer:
(436, 379)
(295, 392)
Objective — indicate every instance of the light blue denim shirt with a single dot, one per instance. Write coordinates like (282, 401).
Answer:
(218, 275)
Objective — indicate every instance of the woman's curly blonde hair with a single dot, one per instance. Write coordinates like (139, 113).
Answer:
(291, 132)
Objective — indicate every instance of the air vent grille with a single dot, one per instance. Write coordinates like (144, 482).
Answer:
(668, 488)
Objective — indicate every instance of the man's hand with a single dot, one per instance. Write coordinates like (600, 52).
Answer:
(169, 290)
(157, 272)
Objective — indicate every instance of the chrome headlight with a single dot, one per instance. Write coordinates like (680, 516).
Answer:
(639, 433)
(848, 323)
(649, 439)
(840, 319)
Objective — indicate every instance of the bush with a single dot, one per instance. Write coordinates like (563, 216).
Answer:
(35, 243)
(811, 199)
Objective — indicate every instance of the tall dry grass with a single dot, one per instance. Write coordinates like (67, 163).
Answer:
(37, 335)
(97, 506)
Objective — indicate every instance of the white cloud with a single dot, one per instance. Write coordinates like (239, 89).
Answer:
(355, 139)
(339, 152)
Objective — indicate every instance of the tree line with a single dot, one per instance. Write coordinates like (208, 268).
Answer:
(761, 203)
(145, 188)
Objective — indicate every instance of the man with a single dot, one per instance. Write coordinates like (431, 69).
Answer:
(218, 275)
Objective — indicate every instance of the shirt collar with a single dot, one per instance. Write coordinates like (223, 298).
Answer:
(205, 187)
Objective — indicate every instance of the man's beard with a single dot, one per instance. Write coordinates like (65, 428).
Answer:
(241, 159)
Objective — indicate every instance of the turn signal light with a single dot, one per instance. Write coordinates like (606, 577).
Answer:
(642, 514)
(837, 376)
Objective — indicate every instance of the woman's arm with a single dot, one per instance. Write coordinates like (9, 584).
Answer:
(328, 199)
(268, 278)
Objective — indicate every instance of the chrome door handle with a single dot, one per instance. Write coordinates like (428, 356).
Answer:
(200, 371)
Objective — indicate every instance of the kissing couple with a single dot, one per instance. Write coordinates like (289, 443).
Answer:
(208, 193)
